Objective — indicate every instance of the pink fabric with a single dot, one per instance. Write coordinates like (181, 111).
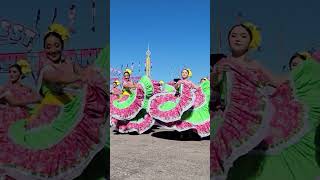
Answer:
(288, 118)
(202, 130)
(116, 91)
(199, 98)
(245, 125)
(131, 111)
(133, 125)
(316, 55)
(184, 101)
(172, 83)
(70, 151)
(243, 119)
(156, 87)
(127, 83)
(129, 114)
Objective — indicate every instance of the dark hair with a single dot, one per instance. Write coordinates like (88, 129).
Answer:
(57, 35)
(185, 69)
(214, 58)
(296, 55)
(243, 26)
(126, 72)
(176, 80)
(18, 67)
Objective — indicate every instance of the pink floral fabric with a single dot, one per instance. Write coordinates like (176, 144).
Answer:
(66, 159)
(252, 117)
(202, 129)
(132, 110)
(139, 126)
(244, 123)
(288, 120)
(185, 101)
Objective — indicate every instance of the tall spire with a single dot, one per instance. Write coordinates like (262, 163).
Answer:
(148, 62)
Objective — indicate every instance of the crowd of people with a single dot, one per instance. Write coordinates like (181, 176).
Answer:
(179, 105)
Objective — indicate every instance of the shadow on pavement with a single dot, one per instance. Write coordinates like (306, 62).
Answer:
(98, 168)
(179, 136)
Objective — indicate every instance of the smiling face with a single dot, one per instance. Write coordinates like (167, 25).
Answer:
(239, 40)
(184, 74)
(53, 48)
(14, 74)
(126, 76)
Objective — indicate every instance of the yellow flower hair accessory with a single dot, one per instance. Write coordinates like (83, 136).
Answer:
(305, 54)
(25, 66)
(189, 72)
(61, 30)
(117, 82)
(161, 82)
(128, 71)
(256, 36)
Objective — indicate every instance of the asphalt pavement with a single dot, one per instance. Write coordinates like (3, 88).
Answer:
(159, 154)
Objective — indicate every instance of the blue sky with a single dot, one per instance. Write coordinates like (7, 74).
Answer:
(178, 33)
(287, 27)
(25, 13)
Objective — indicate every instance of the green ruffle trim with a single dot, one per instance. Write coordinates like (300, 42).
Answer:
(167, 106)
(147, 88)
(48, 135)
(306, 81)
(127, 102)
(168, 88)
(201, 113)
(147, 85)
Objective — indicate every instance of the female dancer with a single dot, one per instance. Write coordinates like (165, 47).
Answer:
(8, 94)
(129, 112)
(187, 108)
(263, 135)
(14, 98)
(203, 80)
(66, 130)
(115, 90)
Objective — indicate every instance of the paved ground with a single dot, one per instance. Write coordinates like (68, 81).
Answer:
(158, 155)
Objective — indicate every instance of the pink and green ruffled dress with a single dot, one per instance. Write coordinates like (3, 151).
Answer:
(55, 141)
(268, 135)
(188, 110)
(128, 113)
